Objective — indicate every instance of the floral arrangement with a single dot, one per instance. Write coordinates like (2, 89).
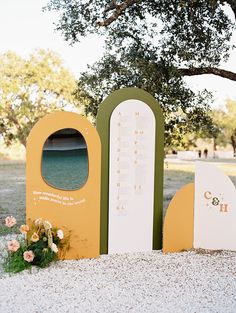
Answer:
(37, 244)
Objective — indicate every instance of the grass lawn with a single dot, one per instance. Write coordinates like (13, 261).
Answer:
(12, 184)
(12, 191)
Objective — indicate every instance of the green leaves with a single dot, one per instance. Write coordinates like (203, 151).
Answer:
(146, 44)
(193, 32)
(43, 254)
(225, 120)
(14, 262)
(31, 88)
(184, 111)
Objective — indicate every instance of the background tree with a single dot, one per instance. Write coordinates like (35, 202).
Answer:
(189, 141)
(29, 89)
(153, 45)
(225, 119)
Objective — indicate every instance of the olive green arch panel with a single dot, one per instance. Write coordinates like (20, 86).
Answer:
(103, 126)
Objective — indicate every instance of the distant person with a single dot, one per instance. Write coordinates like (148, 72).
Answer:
(199, 154)
(205, 152)
(233, 141)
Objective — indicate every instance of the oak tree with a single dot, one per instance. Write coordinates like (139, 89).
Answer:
(154, 45)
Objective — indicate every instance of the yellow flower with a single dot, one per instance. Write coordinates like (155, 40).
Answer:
(24, 229)
(34, 237)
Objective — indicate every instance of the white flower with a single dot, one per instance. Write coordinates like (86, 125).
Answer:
(54, 247)
(60, 234)
(47, 225)
(38, 222)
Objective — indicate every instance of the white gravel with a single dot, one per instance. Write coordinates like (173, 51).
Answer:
(140, 282)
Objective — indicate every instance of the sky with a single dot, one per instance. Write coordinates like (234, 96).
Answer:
(24, 27)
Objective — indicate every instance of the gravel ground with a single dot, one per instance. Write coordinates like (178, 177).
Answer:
(140, 282)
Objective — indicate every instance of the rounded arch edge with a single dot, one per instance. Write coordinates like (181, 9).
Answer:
(86, 201)
(103, 126)
(178, 227)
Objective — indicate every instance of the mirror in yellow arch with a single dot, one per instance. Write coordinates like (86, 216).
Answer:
(63, 172)
(65, 159)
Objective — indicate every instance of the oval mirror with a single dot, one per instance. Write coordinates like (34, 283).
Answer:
(65, 159)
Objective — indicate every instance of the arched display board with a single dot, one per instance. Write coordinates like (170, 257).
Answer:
(179, 219)
(202, 215)
(214, 209)
(130, 124)
(76, 210)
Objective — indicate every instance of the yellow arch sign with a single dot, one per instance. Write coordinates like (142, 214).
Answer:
(179, 220)
(76, 210)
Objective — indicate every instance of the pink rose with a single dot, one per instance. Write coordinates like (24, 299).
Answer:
(13, 245)
(28, 256)
(10, 221)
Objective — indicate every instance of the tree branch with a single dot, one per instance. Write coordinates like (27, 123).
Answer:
(207, 70)
(118, 10)
(111, 6)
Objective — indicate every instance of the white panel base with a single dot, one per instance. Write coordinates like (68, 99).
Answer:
(131, 177)
(214, 209)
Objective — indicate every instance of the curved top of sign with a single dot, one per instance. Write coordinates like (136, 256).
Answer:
(118, 96)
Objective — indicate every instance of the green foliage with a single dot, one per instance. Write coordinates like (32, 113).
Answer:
(29, 89)
(43, 254)
(14, 262)
(184, 111)
(225, 120)
(4, 231)
(147, 44)
(190, 26)
(7, 230)
(205, 130)
(184, 32)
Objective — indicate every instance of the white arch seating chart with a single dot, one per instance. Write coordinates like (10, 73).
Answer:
(131, 179)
